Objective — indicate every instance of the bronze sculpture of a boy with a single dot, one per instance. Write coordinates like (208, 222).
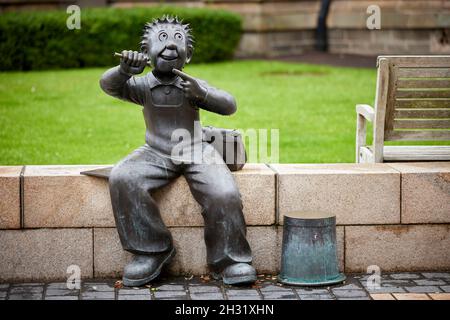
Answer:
(171, 100)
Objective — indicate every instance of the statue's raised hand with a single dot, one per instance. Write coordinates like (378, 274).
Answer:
(193, 90)
(132, 62)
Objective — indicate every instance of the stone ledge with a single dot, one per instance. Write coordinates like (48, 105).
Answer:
(58, 196)
(359, 194)
(425, 191)
(356, 193)
(10, 197)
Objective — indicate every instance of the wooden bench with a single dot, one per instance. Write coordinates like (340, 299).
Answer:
(412, 103)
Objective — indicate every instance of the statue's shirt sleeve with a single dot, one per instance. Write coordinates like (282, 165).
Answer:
(217, 100)
(122, 86)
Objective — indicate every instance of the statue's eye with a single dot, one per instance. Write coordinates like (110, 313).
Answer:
(163, 36)
(178, 36)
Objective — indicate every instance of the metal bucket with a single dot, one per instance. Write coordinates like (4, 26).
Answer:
(309, 254)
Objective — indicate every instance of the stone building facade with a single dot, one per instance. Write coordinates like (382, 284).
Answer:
(276, 28)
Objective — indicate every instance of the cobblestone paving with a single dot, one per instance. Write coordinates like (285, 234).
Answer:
(393, 286)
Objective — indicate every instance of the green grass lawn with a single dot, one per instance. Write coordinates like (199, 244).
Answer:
(63, 117)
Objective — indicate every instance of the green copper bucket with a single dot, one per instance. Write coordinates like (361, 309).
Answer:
(309, 254)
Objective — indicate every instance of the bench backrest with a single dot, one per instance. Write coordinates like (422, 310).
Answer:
(416, 97)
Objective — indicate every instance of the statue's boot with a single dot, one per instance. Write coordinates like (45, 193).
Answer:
(237, 273)
(144, 268)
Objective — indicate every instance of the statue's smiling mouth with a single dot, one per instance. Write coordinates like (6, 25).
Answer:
(169, 55)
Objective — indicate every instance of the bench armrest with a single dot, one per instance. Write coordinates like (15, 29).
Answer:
(366, 111)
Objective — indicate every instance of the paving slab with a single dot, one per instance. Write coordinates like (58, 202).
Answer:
(316, 297)
(440, 296)
(241, 292)
(61, 292)
(279, 295)
(61, 298)
(238, 297)
(207, 296)
(204, 289)
(386, 289)
(98, 287)
(134, 297)
(170, 287)
(427, 282)
(350, 293)
(97, 295)
(411, 296)
(179, 295)
(134, 291)
(405, 276)
(437, 275)
(26, 292)
(382, 296)
(350, 286)
(274, 287)
(308, 291)
(445, 288)
(423, 289)
(58, 285)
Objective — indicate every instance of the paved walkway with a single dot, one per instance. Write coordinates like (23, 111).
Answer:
(331, 59)
(394, 286)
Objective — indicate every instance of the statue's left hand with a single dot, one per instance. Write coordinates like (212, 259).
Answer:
(191, 87)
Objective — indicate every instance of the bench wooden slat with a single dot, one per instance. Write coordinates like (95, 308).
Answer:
(422, 84)
(422, 124)
(422, 94)
(421, 61)
(416, 153)
(430, 103)
(423, 73)
(422, 113)
(410, 135)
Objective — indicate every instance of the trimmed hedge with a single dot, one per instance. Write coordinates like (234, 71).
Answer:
(41, 40)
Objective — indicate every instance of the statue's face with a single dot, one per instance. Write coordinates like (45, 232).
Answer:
(168, 48)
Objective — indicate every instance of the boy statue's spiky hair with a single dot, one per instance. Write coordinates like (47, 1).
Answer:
(166, 19)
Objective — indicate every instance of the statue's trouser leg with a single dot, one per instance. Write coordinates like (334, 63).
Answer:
(214, 188)
(138, 220)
